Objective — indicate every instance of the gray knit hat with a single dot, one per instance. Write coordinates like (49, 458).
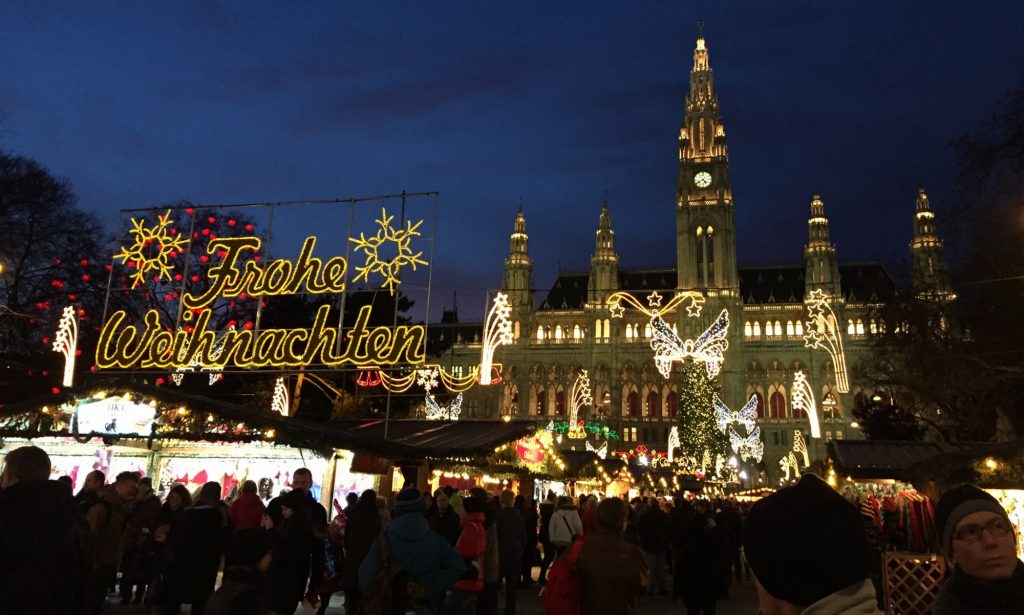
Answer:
(956, 504)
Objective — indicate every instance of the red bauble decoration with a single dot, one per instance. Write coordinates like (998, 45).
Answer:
(530, 450)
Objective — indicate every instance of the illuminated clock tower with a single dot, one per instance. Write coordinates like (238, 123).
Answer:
(705, 224)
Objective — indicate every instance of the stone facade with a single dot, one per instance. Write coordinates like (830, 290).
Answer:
(572, 328)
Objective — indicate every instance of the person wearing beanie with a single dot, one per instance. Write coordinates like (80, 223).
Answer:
(980, 542)
(292, 539)
(807, 549)
(431, 564)
(243, 588)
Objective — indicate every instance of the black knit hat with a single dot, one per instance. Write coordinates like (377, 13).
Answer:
(409, 501)
(956, 504)
(805, 542)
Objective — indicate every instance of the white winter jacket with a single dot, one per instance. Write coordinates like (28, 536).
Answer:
(565, 524)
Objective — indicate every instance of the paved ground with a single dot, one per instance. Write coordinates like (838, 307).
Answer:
(743, 601)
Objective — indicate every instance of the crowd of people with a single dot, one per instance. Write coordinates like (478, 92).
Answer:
(458, 553)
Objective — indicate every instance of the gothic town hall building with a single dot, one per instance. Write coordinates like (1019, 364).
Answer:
(570, 328)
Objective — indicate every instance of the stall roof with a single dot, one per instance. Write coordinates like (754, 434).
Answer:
(440, 438)
(887, 459)
(26, 419)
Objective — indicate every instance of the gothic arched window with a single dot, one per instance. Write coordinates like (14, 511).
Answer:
(653, 404)
(777, 405)
(633, 403)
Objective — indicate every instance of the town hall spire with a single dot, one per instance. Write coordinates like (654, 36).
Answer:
(705, 225)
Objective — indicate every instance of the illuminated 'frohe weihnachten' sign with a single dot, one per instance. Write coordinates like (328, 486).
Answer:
(152, 345)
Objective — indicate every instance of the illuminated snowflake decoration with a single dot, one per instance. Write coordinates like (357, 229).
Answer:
(427, 378)
(388, 238)
(141, 253)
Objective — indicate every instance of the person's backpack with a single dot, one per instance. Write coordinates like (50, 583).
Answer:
(388, 595)
(562, 591)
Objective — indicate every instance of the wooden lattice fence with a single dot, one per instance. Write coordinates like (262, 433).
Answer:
(912, 581)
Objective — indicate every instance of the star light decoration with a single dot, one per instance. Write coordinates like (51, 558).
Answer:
(823, 332)
(497, 332)
(66, 342)
(581, 398)
(437, 412)
(140, 253)
(388, 238)
(280, 402)
(746, 447)
(709, 348)
(803, 397)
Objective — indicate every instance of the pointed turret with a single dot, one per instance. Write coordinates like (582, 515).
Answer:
(929, 277)
(705, 225)
(821, 268)
(604, 264)
(518, 284)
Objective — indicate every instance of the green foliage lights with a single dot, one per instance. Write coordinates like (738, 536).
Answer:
(698, 431)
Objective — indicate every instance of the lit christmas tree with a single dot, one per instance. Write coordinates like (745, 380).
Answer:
(699, 436)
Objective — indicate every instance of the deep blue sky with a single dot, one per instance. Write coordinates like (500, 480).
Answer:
(500, 103)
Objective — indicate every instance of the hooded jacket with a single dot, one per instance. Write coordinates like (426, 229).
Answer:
(429, 560)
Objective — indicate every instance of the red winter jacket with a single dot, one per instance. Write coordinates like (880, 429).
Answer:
(472, 545)
(247, 511)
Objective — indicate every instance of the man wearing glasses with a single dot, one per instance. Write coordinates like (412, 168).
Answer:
(980, 542)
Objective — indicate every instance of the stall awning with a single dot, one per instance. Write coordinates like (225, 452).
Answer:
(184, 416)
(426, 439)
(887, 459)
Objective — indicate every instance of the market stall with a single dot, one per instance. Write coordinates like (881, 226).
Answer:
(175, 437)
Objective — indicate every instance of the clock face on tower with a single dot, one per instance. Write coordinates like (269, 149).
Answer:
(702, 179)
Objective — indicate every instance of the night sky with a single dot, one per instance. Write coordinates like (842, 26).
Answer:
(497, 104)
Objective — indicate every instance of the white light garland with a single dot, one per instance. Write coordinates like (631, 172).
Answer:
(437, 412)
(824, 332)
(803, 397)
(497, 331)
(581, 398)
(280, 401)
(673, 442)
(709, 348)
(66, 342)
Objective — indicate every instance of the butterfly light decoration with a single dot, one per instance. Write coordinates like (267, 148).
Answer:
(709, 348)
(750, 447)
(602, 451)
(747, 416)
(437, 412)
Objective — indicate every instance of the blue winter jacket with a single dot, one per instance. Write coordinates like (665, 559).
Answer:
(426, 555)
